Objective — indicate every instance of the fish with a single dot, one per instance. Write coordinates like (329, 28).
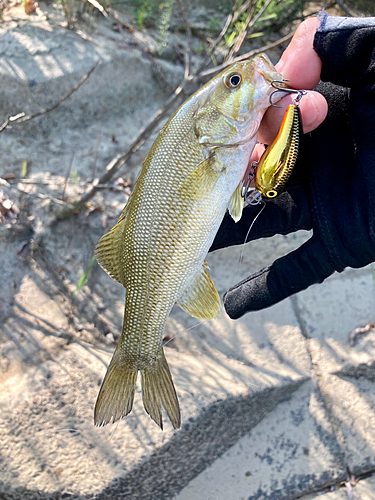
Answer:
(191, 176)
(279, 159)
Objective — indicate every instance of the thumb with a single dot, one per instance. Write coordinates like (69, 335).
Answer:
(301, 66)
(299, 63)
(290, 274)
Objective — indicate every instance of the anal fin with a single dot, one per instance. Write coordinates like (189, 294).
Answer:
(201, 299)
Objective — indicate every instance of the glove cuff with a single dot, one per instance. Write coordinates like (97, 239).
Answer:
(288, 275)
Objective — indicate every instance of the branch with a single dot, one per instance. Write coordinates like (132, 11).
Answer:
(344, 8)
(118, 161)
(188, 36)
(252, 53)
(22, 117)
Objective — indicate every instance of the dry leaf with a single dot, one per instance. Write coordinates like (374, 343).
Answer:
(104, 221)
(30, 6)
(24, 169)
(357, 332)
(9, 177)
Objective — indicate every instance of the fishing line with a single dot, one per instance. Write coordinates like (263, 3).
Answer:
(263, 206)
(114, 430)
(190, 328)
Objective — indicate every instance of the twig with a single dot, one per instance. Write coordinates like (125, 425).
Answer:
(207, 61)
(241, 10)
(223, 31)
(344, 8)
(98, 6)
(42, 183)
(67, 175)
(246, 56)
(111, 187)
(248, 28)
(6, 184)
(119, 160)
(188, 36)
(241, 36)
(260, 13)
(22, 117)
(354, 334)
(98, 141)
(4, 125)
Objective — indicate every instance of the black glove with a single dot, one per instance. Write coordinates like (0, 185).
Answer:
(333, 189)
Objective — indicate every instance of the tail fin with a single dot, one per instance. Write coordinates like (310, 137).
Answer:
(116, 394)
(157, 389)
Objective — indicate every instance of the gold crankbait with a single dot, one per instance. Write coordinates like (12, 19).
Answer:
(277, 162)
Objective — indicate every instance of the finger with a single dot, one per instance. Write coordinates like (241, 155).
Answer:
(300, 64)
(290, 274)
(313, 107)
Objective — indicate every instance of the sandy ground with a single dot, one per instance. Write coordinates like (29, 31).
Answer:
(274, 406)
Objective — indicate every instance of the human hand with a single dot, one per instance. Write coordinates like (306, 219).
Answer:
(333, 186)
(301, 66)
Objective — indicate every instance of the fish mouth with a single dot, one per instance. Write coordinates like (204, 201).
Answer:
(265, 67)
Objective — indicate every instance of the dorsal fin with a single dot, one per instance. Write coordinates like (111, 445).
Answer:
(108, 250)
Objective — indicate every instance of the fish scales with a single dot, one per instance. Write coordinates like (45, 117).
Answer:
(189, 179)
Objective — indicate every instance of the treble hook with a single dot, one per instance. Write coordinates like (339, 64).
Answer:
(276, 84)
(251, 195)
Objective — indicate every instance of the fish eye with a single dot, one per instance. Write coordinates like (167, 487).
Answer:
(233, 80)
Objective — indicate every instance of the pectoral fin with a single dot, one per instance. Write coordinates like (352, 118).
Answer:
(201, 180)
(201, 299)
(236, 204)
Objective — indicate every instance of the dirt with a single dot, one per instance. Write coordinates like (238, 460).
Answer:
(57, 338)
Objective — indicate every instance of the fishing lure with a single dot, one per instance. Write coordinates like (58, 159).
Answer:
(277, 162)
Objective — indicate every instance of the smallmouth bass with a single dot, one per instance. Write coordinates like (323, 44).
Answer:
(191, 176)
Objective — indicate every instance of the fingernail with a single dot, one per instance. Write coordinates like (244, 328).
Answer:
(312, 114)
(280, 65)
